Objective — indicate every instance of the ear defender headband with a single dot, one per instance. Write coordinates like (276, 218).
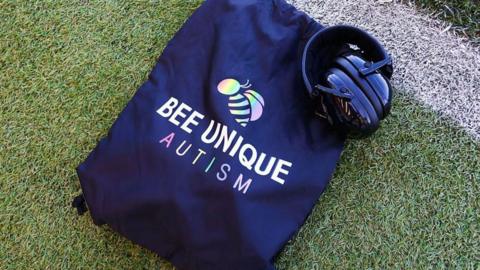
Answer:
(347, 72)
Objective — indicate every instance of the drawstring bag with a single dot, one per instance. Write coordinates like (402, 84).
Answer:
(218, 158)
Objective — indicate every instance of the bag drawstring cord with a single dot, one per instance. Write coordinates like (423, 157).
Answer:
(79, 203)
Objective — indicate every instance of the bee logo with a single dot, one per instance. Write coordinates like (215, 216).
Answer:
(246, 106)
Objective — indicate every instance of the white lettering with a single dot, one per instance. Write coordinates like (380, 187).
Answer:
(280, 170)
(167, 109)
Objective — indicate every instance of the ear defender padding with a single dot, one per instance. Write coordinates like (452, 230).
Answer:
(367, 116)
(376, 82)
(352, 72)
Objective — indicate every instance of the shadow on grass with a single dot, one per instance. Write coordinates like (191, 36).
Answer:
(405, 198)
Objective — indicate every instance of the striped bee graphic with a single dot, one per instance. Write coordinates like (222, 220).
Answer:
(247, 105)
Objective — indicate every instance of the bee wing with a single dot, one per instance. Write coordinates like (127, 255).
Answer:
(256, 95)
(256, 104)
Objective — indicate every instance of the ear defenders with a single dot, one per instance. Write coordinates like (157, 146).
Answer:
(346, 71)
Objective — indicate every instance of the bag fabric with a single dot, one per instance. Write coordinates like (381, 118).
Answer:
(218, 158)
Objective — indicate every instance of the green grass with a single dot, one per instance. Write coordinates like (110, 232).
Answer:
(405, 198)
(463, 14)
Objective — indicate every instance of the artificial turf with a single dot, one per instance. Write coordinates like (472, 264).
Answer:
(405, 198)
(463, 15)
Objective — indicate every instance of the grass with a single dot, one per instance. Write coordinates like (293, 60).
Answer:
(464, 15)
(405, 198)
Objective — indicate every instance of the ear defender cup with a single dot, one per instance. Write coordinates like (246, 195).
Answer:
(374, 82)
(365, 114)
(362, 83)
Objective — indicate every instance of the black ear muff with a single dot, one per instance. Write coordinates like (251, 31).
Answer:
(347, 71)
(344, 64)
(375, 81)
(360, 105)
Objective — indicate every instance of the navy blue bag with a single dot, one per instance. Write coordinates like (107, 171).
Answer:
(218, 158)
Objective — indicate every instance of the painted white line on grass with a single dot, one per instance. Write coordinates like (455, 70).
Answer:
(435, 66)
